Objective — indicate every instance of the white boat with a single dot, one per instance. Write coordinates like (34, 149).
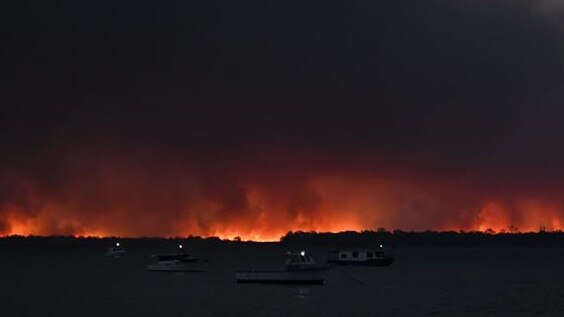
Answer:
(375, 257)
(280, 277)
(302, 262)
(300, 269)
(179, 262)
(115, 251)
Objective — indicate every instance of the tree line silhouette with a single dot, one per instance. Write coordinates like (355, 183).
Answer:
(396, 238)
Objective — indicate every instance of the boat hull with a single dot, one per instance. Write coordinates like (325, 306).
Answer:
(116, 252)
(373, 262)
(175, 267)
(279, 277)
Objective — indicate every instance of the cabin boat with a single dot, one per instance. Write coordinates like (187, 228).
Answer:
(179, 262)
(302, 262)
(377, 257)
(301, 269)
(116, 251)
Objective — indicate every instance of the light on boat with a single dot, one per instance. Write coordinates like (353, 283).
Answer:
(302, 253)
(381, 246)
(180, 246)
(117, 244)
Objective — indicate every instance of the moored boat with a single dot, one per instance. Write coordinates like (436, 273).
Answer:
(302, 262)
(116, 251)
(178, 262)
(377, 257)
(301, 269)
(280, 277)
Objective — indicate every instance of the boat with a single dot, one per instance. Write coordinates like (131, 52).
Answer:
(279, 277)
(377, 257)
(301, 269)
(116, 251)
(178, 262)
(302, 262)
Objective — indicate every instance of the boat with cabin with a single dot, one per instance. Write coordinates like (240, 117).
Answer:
(301, 269)
(365, 257)
(116, 251)
(177, 262)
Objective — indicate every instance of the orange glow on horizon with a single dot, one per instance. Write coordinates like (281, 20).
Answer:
(332, 204)
(493, 216)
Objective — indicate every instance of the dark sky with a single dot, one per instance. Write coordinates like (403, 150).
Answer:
(254, 118)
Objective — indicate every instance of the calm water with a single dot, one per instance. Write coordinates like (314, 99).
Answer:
(78, 280)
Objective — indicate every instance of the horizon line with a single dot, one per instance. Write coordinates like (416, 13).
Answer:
(239, 239)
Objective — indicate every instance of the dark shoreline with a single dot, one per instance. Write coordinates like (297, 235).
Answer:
(348, 238)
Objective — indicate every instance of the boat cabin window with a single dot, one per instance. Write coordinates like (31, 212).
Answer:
(343, 255)
(355, 254)
(369, 254)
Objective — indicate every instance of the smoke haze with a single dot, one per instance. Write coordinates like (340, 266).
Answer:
(251, 119)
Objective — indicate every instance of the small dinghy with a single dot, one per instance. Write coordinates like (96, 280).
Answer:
(179, 262)
(301, 269)
(116, 251)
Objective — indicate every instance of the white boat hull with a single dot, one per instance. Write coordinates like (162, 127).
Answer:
(279, 277)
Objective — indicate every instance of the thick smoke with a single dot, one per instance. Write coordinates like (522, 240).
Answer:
(252, 119)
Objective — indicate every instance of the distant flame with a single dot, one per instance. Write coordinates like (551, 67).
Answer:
(493, 216)
(329, 205)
